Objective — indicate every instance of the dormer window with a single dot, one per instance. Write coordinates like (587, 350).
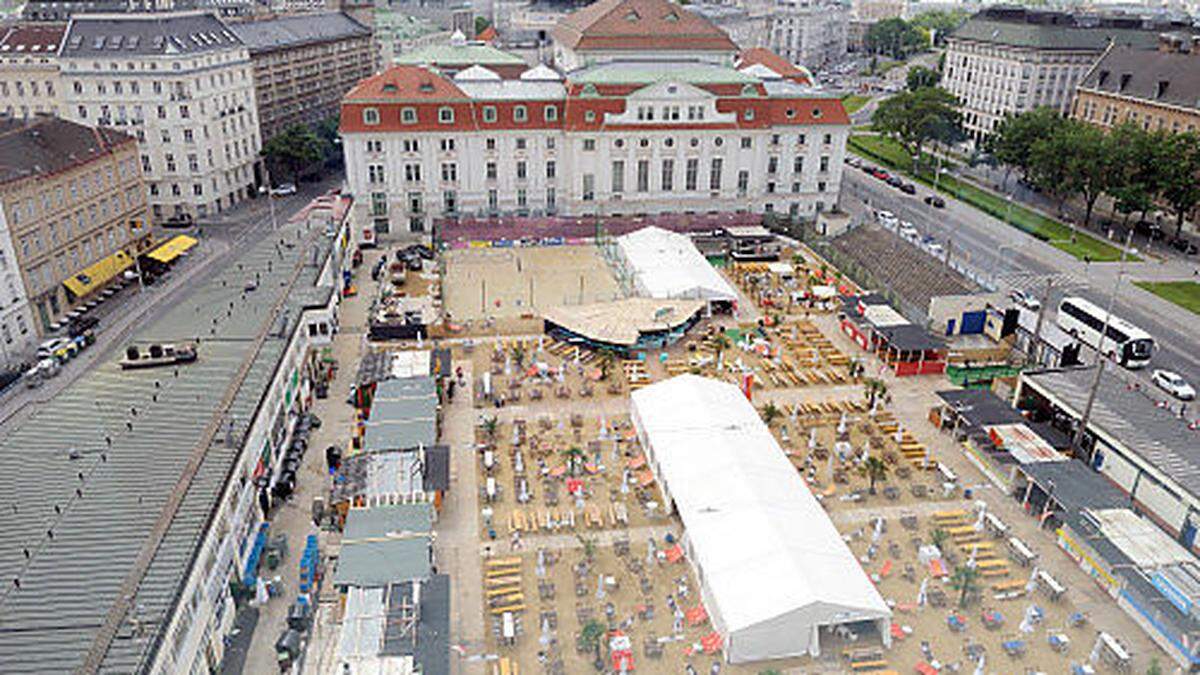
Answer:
(446, 115)
(816, 113)
(1162, 87)
(520, 114)
(1103, 78)
(749, 90)
(408, 115)
(748, 114)
(426, 87)
(589, 89)
(1125, 78)
(489, 113)
(370, 116)
(632, 16)
(390, 88)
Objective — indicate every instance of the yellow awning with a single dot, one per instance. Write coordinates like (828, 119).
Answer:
(98, 273)
(172, 249)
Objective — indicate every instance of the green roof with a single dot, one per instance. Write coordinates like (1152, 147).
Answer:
(484, 55)
(652, 72)
(1049, 36)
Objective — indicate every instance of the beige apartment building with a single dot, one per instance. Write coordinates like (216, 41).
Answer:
(29, 82)
(74, 202)
(303, 65)
(1159, 89)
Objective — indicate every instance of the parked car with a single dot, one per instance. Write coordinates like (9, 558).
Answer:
(887, 219)
(935, 201)
(1025, 300)
(933, 248)
(283, 189)
(179, 220)
(881, 174)
(57, 348)
(909, 232)
(867, 168)
(1173, 384)
(1183, 246)
(82, 325)
(895, 181)
(908, 189)
(1152, 231)
(853, 161)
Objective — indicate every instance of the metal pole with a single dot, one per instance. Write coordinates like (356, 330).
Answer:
(270, 198)
(1037, 327)
(1100, 359)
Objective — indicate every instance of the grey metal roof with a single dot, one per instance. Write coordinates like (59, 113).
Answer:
(403, 415)
(1150, 75)
(385, 544)
(981, 407)
(1131, 417)
(1076, 485)
(158, 34)
(1050, 36)
(46, 145)
(70, 580)
(286, 32)
(430, 645)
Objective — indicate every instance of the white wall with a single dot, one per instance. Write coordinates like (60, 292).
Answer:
(18, 337)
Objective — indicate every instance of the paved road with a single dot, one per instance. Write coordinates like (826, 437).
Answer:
(1008, 258)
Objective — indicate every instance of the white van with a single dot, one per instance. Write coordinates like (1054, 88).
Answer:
(888, 220)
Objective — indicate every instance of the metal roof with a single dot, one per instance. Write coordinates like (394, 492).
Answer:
(286, 32)
(73, 527)
(1151, 75)
(649, 72)
(403, 415)
(1159, 437)
(1051, 36)
(459, 55)
(430, 646)
(44, 145)
(157, 34)
(385, 544)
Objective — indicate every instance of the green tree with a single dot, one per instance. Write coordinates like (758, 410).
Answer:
(920, 76)
(1013, 138)
(913, 118)
(327, 131)
(875, 469)
(941, 23)
(896, 38)
(1137, 168)
(294, 150)
(964, 580)
(481, 24)
(1051, 165)
(873, 388)
(938, 537)
(1181, 176)
(490, 426)
(1091, 168)
(770, 413)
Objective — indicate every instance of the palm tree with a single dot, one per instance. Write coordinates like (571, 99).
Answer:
(574, 455)
(770, 413)
(518, 354)
(874, 388)
(964, 581)
(938, 537)
(721, 342)
(490, 426)
(589, 546)
(875, 469)
(607, 358)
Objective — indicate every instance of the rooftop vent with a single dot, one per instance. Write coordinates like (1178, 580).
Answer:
(1162, 88)
(1125, 77)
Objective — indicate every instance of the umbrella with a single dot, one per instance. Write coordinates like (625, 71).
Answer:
(600, 586)
(1095, 655)
(979, 665)
(878, 531)
(899, 435)
(812, 439)
(841, 427)
(1032, 583)
(921, 594)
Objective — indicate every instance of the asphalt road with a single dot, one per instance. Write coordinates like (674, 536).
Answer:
(1006, 258)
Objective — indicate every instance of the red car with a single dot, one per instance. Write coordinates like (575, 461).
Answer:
(881, 174)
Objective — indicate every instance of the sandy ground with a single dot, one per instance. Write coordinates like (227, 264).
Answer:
(505, 283)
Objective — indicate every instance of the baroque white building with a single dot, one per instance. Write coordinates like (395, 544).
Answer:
(182, 83)
(642, 125)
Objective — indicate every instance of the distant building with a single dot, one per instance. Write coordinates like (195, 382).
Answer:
(811, 33)
(1159, 90)
(873, 11)
(1009, 60)
(74, 206)
(303, 65)
(29, 69)
(612, 30)
(62, 10)
(182, 83)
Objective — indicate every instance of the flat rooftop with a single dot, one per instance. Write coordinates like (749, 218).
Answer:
(77, 511)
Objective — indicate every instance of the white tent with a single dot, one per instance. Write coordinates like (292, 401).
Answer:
(772, 567)
(665, 264)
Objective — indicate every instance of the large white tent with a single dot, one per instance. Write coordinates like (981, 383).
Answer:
(664, 264)
(773, 569)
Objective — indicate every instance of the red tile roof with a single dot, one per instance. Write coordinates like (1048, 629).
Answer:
(405, 83)
(658, 25)
(488, 34)
(775, 62)
(32, 39)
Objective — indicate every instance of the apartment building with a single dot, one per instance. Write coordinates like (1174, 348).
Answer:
(1008, 60)
(303, 65)
(620, 136)
(29, 69)
(812, 33)
(74, 206)
(182, 84)
(614, 30)
(1160, 89)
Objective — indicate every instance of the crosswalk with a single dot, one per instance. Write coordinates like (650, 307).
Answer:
(1035, 282)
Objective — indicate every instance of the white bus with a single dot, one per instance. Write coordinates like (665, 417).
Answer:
(1125, 343)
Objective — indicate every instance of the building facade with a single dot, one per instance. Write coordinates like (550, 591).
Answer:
(75, 207)
(29, 82)
(1160, 90)
(182, 83)
(617, 137)
(303, 65)
(1007, 60)
(811, 33)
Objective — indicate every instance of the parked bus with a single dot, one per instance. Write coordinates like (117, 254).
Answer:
(1125, 343)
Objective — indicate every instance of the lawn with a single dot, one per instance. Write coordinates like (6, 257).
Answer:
(1186, 294)
(891, 154)
(854, 103)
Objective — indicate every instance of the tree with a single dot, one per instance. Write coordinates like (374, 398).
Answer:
(1051, 165)
(1137, 168)
(770, 413)
(294, 149)
(574, 456)
(913, 118)
(1090, 169)
(327, 131)
(896, 38)
(875, 470)
(965, 581)
(938, 537)
(920, 76)
(941, 23)
(481, 24)
(873, 388)
(1181, 176)
(490, 426)
(1013, 138)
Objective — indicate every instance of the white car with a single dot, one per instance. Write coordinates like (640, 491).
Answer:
(887, 219)
(934, 249)
(1173, 384)
(1025, 300)
(56, 347)
(284, 189)
(909, 232)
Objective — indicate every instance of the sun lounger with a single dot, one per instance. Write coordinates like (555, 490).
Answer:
(949, 515)
(519, 607)
(495, 582)
(503, 562)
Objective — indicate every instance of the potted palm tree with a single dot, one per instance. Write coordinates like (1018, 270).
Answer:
(490, 426)
(965, 581)
(876, 470)
(874, 389)
(770, 413)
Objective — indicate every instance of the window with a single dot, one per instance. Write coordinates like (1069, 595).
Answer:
(802, 139)
(827, 139)
(184, 112)
(490, 144)
(374, 146)
(449, 172)
(824, 164)
(520, 143)
(489, 114)
(589, 187)
(668, 175)
(551, 203)
(798, 165)
(691, 174)
(170, 162)
(772, 165)
(589, 116)
(375, 173)
(193, 163)
(618, 175)
(747, 143)
(198, 190)
(447, 145)
(370, 116)
(490, 168)
(414, 202)
(714, 174)
(522, 198)
(521, 171)
(379, 204)
(550, 113)
(493, 200)
(446, 115)
(408, 115)
(551, 169)
(820, 186)
(589, 144)
(412, 145)
(549, 142)
(520, 114)
(450, 201)
(743, 183)
(748, 114)
(412, 173)
(643, 175)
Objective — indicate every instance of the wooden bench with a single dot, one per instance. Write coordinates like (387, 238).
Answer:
(860, 666)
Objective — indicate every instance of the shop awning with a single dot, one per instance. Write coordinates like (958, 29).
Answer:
(98, 273)
(172, 249)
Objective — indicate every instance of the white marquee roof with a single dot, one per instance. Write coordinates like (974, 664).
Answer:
(666, 264)
(766, 546)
